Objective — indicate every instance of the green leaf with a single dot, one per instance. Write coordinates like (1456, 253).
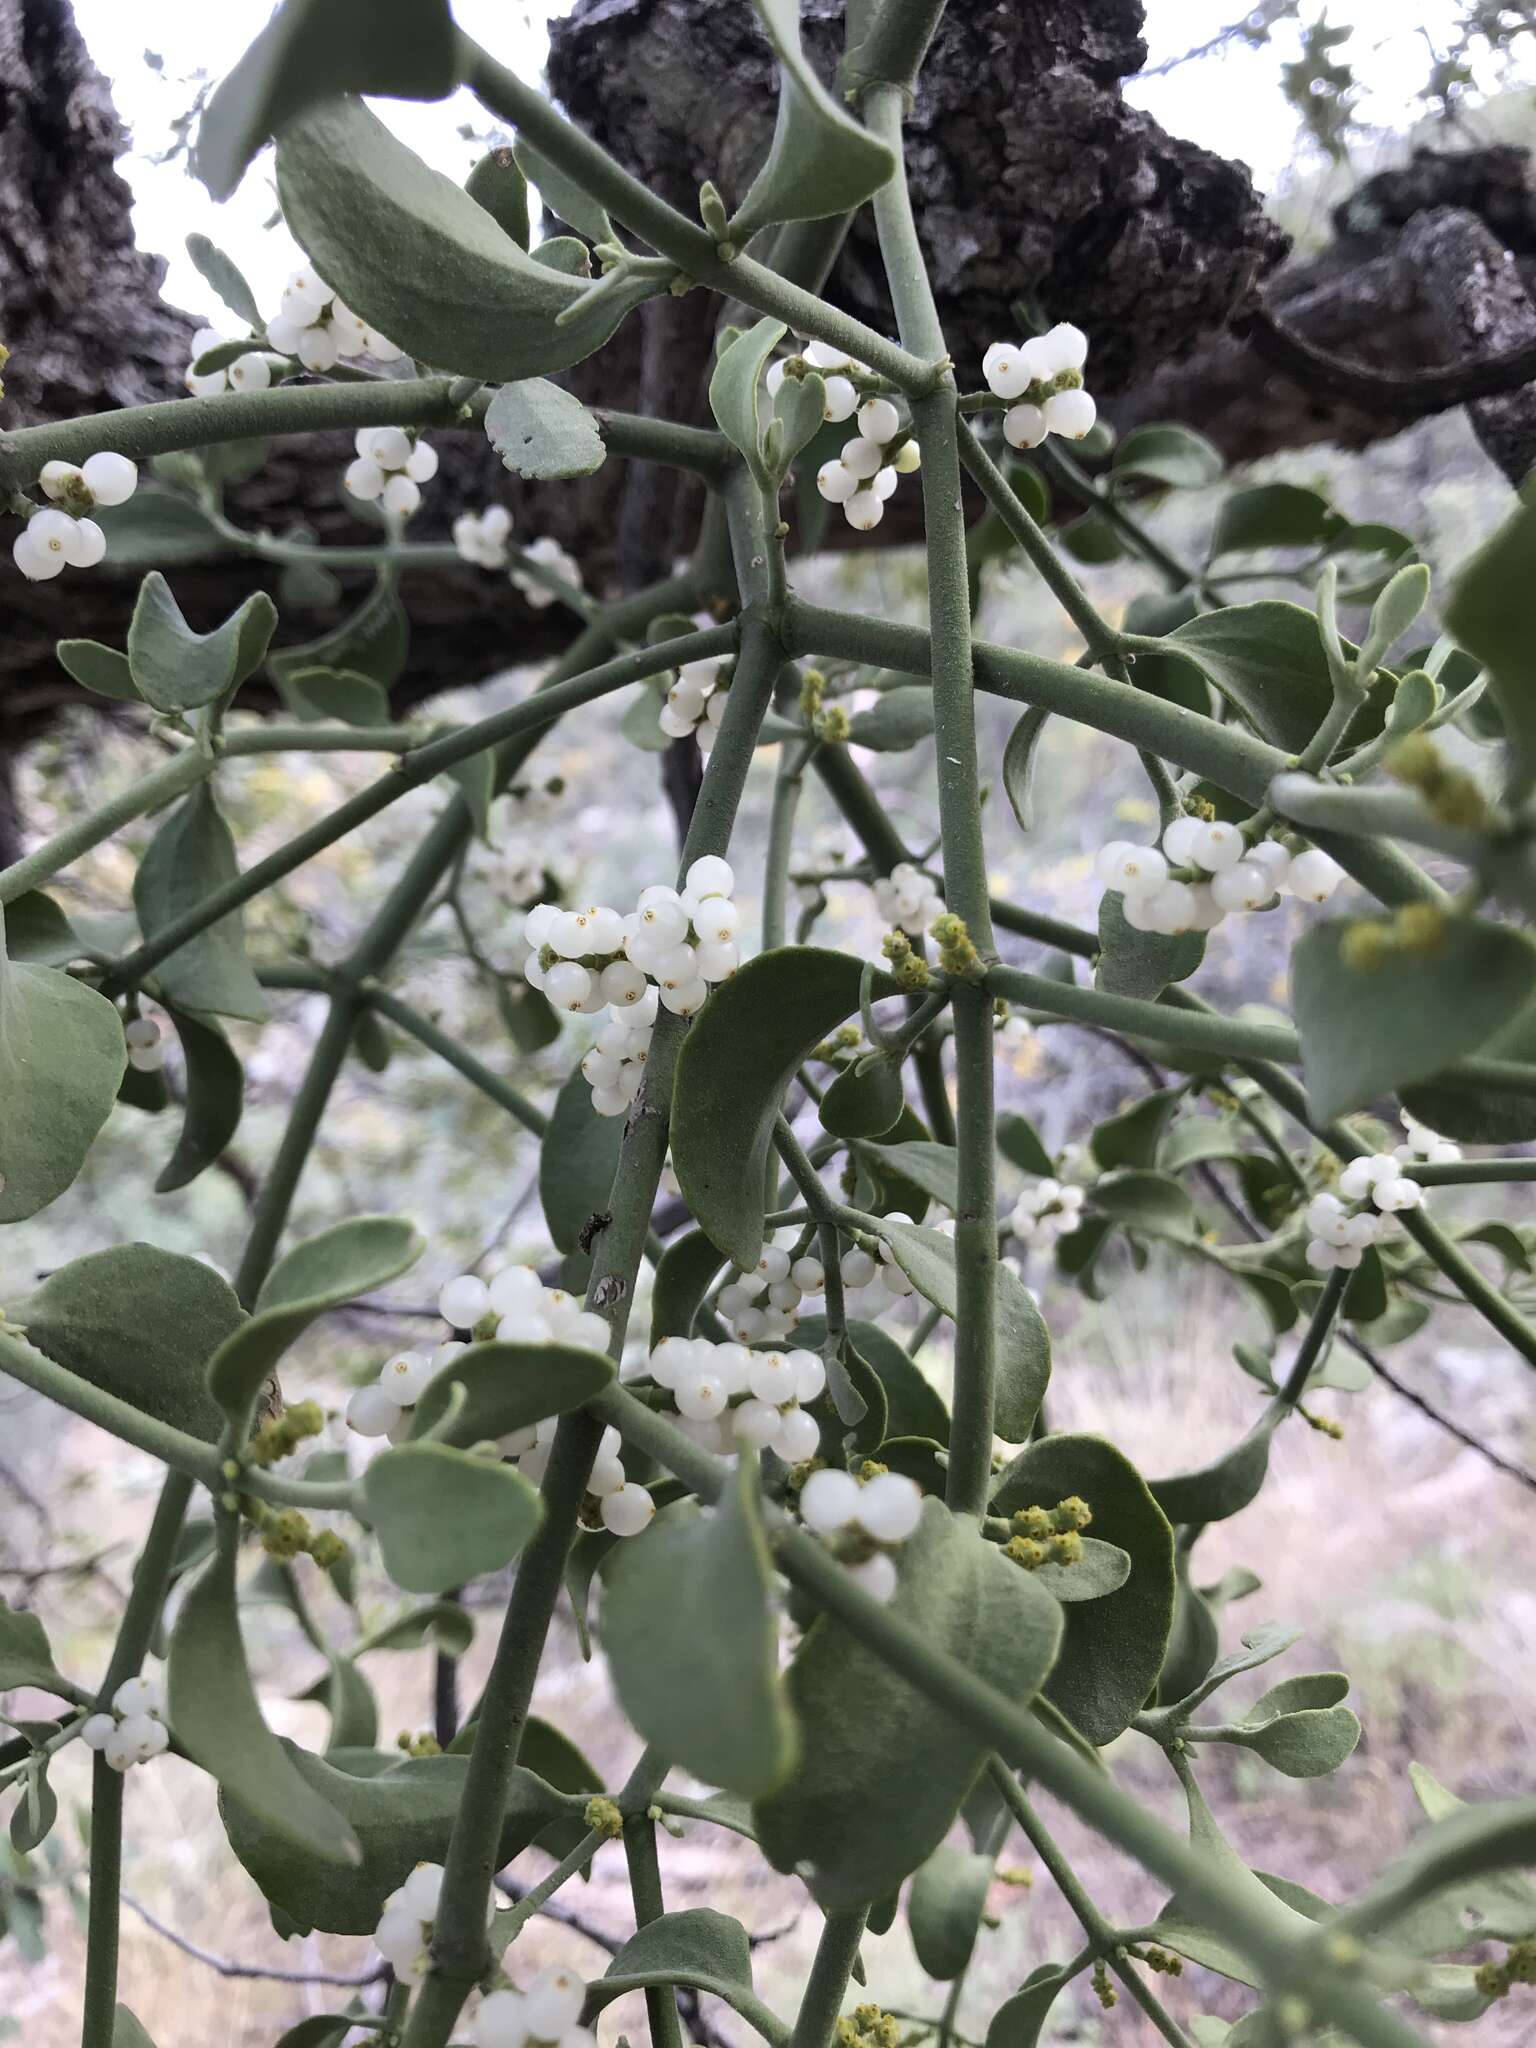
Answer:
(865, 1729)
(508, 1387)
(441, 1625)
(683, 1277)
(127, 2031)
(1298, 1726)
(1269, 1902)
(350, 1703)
(913, 1408)
(1131, 1137)
(1093, 539)
(1267, 659)
(217, 1720)
(321, 2030)
(155, 529)
(310, 49)
(1018, 2020)
(695, 1594)
(497, 183)
(801, 409)
(340, 694)
(1023, 1341)
(1492, 613)
(191, 855)
(944, 1909)
(215, 1098)
(38, 932)
(902, 717)
(1275, 516)
(562, 195)
(1103, 1568)
(98, 668)
(556, 1759)
(1019, 765)
(932, 1167)
(443, 1517)
(1366, 1033)
(401, 1813)
(1478, 1114)
(179, 1311)
(1168, 454)
(1228, 1484)
(1403, 598)
(177, 670)
(542, 432)
(736, 388)
(820, 162)
(882, 1186)
(1113, 1648)
(577, 1163)
(372, 643)
(702, 1948)
(738, 1059)
(1135, 963)
(62, 1057)
(1260, 1646)
(224, 277)
(325, 1271)
(25, 1657)
(865, 1100)
(414, 255)
(1152, 1204)
(1020, 1144)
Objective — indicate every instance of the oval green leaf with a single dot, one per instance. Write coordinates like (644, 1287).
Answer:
(542, 432)
(695, 1594)
(1113, 1648)
(507, 1387)
(443, 1517)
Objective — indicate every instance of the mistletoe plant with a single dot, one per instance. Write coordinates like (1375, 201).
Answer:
(969, 1625)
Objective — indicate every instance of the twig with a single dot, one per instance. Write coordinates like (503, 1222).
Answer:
(226, 1966)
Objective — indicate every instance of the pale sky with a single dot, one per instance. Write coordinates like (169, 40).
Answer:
(1230, 103)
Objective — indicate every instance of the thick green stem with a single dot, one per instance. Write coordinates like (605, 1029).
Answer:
(969, 1478)
(645, 1889)
(1103, 641)
(1222, 753)
(99, 2012)
(837, 1951)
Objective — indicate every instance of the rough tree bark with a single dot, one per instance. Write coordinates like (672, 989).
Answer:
(1033, 180)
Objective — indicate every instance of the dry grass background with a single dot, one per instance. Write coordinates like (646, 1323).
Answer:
(1403, 1556)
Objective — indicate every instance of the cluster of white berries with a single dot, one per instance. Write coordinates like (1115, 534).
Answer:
(837, 370)
(726, 1395)
(391, 465)
(882, 1511)
(763, 1306)
(908, 898)
(146, 1048)
(592, 959)
(135, 1729)
(870, 466)
(313, 324)
(1222, 872)
(1340, 1234)
(1422, 1145)
(1043, 380)
(58, 535)
(548, 2011)
(481, 537)
(695, 703)
(1045, 1212)
(404, 1933)
(545, 553)
(514, 1305)
(250, 372)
